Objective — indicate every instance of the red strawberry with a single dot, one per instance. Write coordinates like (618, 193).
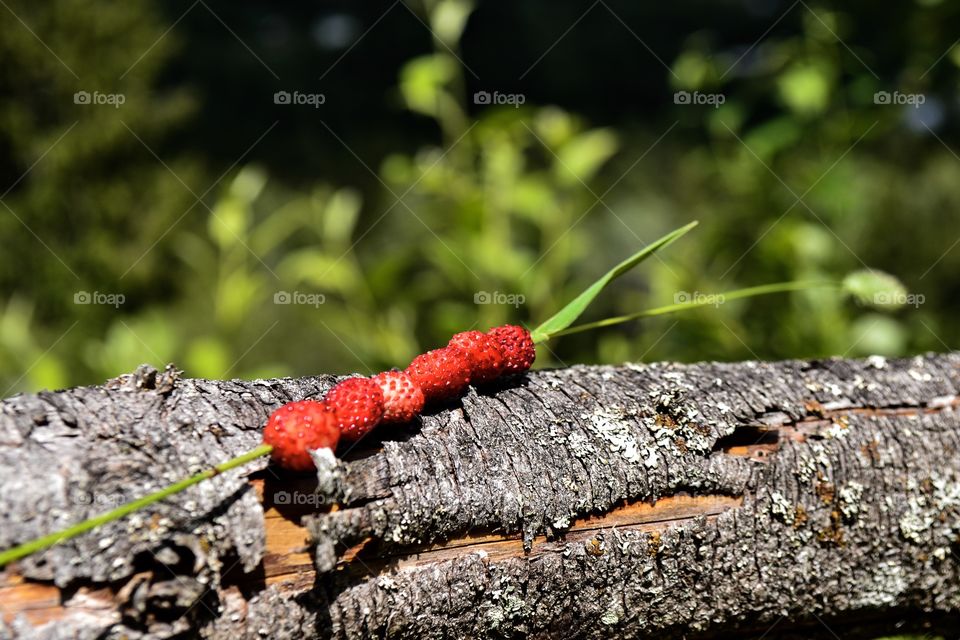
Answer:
(298, 426)
(359, 406)
(402, 397)
(516, 345)
(486, 359)
(441, 374)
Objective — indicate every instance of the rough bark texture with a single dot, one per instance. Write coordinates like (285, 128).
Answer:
(823, 493)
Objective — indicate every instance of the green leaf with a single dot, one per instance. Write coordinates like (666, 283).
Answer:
(805, 88)
(423, 79)
(449, 18)
(580, 158)
(228, 221)
(566, 316)
(700, 300)
(340, 216)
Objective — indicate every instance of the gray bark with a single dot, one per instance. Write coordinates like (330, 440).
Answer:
(845, 516)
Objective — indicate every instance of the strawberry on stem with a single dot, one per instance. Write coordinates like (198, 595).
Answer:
(442, 374)
(402, 397)
(297, 427)
(516, 345)
(358, 403)
(483, 352)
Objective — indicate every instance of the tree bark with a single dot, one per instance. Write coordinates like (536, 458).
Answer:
(765, 499)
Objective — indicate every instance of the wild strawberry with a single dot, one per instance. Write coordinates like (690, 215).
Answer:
(402, 397)
(483, 351)
(359, 406)
(441, 374)
(516, 345)
(295, 428)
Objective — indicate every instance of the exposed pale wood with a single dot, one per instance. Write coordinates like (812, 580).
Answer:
(41, 602)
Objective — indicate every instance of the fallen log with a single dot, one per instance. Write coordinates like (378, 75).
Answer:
(799, 498)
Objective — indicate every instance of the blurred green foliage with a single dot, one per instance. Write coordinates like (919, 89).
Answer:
(259, 270)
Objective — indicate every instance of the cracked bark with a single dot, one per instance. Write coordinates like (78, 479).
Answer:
(643, 500)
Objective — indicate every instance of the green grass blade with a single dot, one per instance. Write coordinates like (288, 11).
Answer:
(566, 316)
(749, 292)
